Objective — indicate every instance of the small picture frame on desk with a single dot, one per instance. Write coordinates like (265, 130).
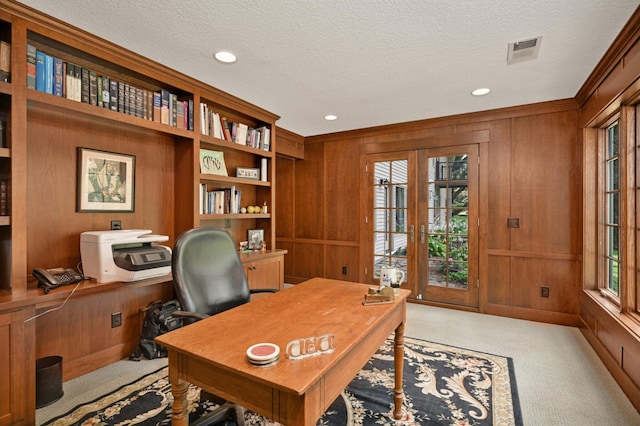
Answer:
(255, 237)
(105, 181)
(247, 173)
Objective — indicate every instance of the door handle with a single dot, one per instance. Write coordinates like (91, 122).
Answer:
(411, 234)
(421, 234)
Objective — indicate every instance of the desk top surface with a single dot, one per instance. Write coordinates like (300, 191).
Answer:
(312, 308)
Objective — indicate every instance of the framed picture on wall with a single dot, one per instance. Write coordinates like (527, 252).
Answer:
(105, 181)
(255, 237)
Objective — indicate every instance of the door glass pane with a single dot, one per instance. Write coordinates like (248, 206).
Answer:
(447, 233)
(390, 215)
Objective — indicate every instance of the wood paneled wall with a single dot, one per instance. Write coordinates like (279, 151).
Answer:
(53, 223)
(533, 173)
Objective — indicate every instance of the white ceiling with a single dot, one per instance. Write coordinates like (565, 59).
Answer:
(370, 62)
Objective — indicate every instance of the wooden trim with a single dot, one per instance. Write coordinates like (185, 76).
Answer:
(428, 125)
(629, 34)
(590, 207)
(290, 144)
(534, 255)
(627, 146)
(532, 314)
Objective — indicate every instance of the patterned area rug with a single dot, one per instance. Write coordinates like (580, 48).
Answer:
(443, 385)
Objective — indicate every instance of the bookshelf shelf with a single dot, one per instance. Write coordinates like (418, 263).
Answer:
(210, 142)
(57, 102)
(233, 180)
(242, 216)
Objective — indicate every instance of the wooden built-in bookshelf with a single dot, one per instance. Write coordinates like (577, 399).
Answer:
(43, 227)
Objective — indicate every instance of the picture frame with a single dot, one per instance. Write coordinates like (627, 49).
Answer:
(248, 173)
(255, 237)
(106, 181)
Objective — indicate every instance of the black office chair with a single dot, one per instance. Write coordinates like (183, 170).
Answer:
(209, 278)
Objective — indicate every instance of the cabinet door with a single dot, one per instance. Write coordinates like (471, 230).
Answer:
(13, 369)
(268, 273)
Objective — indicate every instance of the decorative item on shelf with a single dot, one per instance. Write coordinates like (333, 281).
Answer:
(263, 170)
(244, 245)
(212, 163)
(264, 208)
(248, 173)
(255, 238)
(105, 181)
(4, 198)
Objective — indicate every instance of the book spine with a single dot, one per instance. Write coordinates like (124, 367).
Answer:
(93, 88)
(48, 74)
(121, 99)
(164, 111)
(84, 72)
(157, 106)
(113, 94)
(138, 102)
(4, 198)
(31, 66)
(40, 71)
(57, 76)
(190, 114)
(77, 83)
(106, 90)
(99, 86)
(174, 110)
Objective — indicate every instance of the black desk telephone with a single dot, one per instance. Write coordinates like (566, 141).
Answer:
(53, 278)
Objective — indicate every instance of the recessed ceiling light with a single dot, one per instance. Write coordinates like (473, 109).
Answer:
(330, 117)
(480, 92)
(226, 57)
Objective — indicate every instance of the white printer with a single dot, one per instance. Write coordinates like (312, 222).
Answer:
(124, 255)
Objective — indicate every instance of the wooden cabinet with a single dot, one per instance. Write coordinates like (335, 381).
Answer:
(14, 407)
(264, 270)
(44, 131)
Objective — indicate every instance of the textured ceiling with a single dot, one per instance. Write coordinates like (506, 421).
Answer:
(369, 62)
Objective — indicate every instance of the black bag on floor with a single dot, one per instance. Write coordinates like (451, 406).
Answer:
(158, 319)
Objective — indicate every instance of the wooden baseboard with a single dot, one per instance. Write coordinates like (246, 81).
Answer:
(626, 384)
(572, 320)
(77, 367)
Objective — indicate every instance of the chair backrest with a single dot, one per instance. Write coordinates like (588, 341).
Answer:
(208, 275)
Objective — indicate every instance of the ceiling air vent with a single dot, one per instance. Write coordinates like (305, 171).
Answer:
(523, 50)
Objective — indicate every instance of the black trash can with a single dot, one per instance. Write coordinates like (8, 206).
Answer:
(48, 380)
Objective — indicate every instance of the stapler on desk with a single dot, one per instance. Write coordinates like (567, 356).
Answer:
(376, 296)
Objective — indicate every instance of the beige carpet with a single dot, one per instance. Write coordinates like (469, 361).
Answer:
(560, 379)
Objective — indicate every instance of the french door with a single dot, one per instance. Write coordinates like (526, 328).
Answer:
(425, 221)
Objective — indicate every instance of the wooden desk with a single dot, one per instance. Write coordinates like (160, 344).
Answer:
(212, 353)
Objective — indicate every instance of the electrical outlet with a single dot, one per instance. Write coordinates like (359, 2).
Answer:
(116, 319)
(544, 291)
(513, 222)
(344, 270)
(116, 225)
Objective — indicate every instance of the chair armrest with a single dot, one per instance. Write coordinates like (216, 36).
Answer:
(263, 290)
(193, 315)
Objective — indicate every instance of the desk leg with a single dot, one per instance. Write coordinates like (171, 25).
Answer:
(180, 416)
(398, 358)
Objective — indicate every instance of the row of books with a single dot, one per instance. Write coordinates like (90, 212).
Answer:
(213, 124)
(52, 75)
(5, 61)
(220, 201)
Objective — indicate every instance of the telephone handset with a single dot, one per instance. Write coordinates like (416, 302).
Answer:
(56, 277)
